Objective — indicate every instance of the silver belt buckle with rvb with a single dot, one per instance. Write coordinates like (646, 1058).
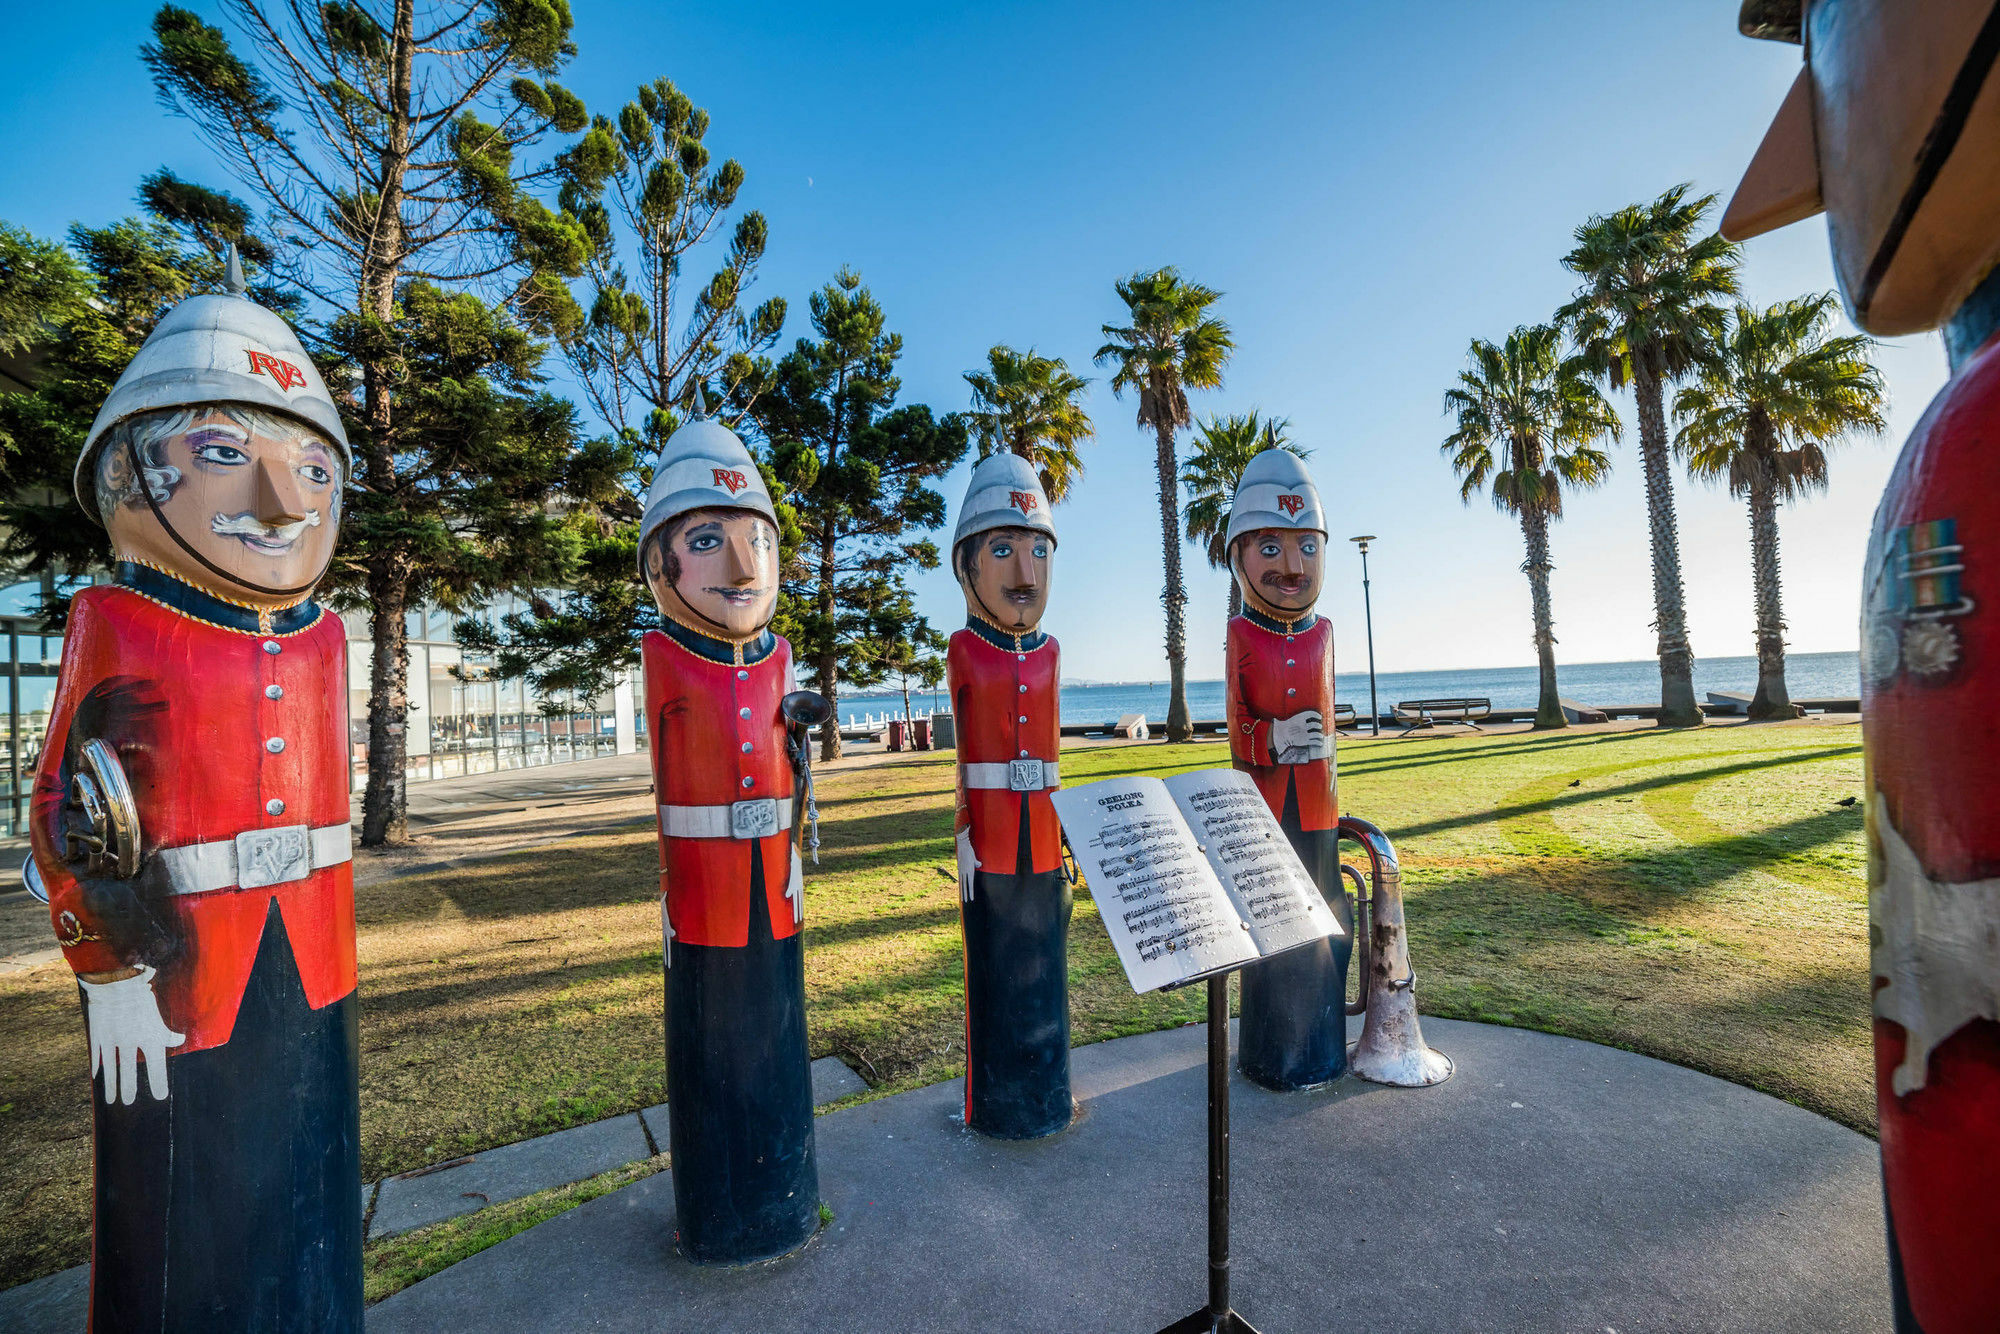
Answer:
(1024, 775)
(273, 856)
(757, 818)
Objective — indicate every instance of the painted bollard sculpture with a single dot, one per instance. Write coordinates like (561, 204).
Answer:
(190, 830)
(1004, 675)
(1280, 695)
(1893, 129)
(726, 765)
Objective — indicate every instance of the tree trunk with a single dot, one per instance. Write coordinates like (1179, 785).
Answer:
(1773, 699)
(829, 653)
(1175, 596)
(1677, 705)
(384, 811)
(1548, 706)
(384, 806)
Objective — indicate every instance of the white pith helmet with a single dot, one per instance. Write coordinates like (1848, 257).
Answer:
(1004, 493)
(703, 465)
(1275, 491)
(218, 348)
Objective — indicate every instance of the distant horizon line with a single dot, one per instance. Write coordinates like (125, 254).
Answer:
(1080, 681)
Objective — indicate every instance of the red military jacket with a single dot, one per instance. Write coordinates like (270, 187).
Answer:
(718, 740)
(1005, 704)
(1930, 667)
(1276, 670)
(223, 730)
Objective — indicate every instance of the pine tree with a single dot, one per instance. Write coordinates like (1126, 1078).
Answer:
(389, 154)
(857, 470)
(654, 348)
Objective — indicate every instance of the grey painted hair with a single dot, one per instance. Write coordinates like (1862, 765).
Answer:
(147, 434)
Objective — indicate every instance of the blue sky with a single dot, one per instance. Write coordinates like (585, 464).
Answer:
(1369, 190)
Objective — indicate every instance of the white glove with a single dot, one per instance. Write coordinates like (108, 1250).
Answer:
(967, 863)
(1299, 738)
(123, 1019)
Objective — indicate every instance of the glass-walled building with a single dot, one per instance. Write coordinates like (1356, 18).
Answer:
(465, 720)
(460, 722)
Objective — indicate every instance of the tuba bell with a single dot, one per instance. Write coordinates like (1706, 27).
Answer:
(1391, 1049)
(106, 839)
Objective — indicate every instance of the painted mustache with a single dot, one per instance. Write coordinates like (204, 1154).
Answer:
(255, 532)
(738, 596)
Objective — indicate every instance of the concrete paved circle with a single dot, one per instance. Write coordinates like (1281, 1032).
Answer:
(1551, 1185)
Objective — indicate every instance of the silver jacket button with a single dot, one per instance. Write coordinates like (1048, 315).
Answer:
(273, 646)
(275, 744)
(274, 807)
(274, 692)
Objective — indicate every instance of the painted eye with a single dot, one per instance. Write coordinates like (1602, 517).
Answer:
(315, 474)
(1041, 552)
(1002, 549)
(1309, 548)
(704, 542)
(1269, 550)
(214, 451)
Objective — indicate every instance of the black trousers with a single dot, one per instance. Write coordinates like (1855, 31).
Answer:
(739, 1093)
(1017, 1000)
(235, 1203)
(1294, 1006)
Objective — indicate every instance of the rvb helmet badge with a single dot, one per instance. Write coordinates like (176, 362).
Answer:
(730, 480)
(1291, 505)
(1004, 492)
(288, 376)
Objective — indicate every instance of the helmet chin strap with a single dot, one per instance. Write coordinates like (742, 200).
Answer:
(146, 490)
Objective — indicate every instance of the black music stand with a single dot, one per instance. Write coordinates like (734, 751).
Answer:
(1216, 1317)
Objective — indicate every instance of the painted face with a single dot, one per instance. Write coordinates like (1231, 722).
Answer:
(716, 570)
(256, 495)
(1008, 584)
(1280, 571)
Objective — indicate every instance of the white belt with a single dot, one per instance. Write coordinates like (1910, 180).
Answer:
(759, 817)
(256, 858)
(1011, 775)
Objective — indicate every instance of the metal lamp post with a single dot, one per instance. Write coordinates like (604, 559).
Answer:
(1368, 612)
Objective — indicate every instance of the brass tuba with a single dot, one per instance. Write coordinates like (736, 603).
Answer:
(1391, 1049)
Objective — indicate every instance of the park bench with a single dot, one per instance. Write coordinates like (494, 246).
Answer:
(1415, 713)
(1343, 715)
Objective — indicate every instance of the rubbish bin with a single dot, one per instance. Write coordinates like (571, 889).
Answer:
(944, 735)
(898, 733)
(920, 734)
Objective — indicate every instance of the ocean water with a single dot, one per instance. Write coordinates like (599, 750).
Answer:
(1809, 675)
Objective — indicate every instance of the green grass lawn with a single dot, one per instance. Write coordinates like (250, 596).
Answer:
(1697, 896)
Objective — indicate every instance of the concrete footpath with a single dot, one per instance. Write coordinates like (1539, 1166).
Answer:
(1551, 1185)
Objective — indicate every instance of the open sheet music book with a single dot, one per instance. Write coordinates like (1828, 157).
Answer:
(1192, 875)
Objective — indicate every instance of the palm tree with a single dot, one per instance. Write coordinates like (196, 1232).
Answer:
(1646, 315)
(1026, 404)
(1172, 345)
(1529, 420)
(1226, 447)
(1761, 415)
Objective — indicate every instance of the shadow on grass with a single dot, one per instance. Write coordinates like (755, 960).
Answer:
(1579, 796)
(1500, 748)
